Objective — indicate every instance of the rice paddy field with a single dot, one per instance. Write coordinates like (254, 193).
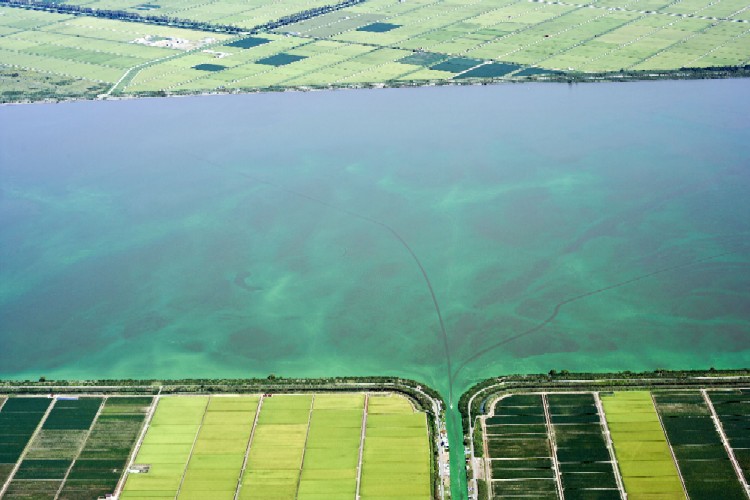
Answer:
(587, 468)
(705, 467)
(309, 447)
(395, 460)
(374, 42)
(67, 448)
(646, 445)
(319, 446)
(643, 453)
(519, 449)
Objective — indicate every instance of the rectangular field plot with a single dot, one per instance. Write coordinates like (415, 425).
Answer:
(703, 462)
(519, 450)
(586, 467)
(396, 456)
(329, 469)
(278, 445)
(19, 418)
(104, 457)
(733, 410)
(166, 448)
(641, 447)
(54, 448)
(216, 463)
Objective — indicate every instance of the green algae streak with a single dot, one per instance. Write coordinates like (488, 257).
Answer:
(444, 234)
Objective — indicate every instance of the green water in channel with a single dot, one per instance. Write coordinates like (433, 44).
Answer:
(590, 227)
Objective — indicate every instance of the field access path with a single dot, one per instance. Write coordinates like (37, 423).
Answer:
(553, 445)
(304, 448)
(139, 441)
(725, 442)
(247, 449)
(361, 446)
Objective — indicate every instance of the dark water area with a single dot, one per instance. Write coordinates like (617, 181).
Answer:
(443, 234)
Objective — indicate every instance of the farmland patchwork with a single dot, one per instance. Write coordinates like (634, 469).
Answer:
(663, 444)
(230, 46)
(311, 446)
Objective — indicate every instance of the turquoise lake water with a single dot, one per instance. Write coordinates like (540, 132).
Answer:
(588, 227)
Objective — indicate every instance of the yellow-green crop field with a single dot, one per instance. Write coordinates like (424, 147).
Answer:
(311, 446)
(643, 453)
(396, 461)
(374, 42)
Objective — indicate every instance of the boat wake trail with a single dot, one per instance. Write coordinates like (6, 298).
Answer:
(395, 234)
(402, 241)
(560, 305)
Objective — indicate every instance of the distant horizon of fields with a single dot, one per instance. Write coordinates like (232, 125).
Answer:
(61, 52)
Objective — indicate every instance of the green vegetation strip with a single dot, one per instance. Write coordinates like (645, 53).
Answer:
(79, 10)
(642, 451)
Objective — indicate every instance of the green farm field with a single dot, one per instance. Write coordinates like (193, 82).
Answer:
(373, 42)
(396, 460)
(642, 450)
(306, 446)
(309, 446)
(660, 444)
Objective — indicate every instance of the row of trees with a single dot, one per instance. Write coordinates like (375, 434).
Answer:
(120, 15)
(271, 385)
(307, 14)
(163, 20)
